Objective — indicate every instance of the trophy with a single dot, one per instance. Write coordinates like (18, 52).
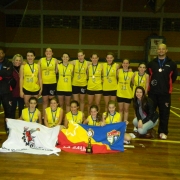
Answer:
(89, 147)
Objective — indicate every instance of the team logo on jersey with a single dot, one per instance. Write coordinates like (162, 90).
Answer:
(28, 136)
(113, 136)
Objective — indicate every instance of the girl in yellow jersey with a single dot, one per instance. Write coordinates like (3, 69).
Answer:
(140, 78)
(48, 66)
(94, 119)
(124, 90)
(79, 83)
(53, 114)
(111, 116)
(109, 79)
(94, 87)
(64, 86)
(30, 79)
(31, 114)
(74, 115)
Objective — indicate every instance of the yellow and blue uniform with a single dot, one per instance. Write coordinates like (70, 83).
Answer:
(92, 122)
(124, 89)
(115, 118)
(53, 116)
(109, 77)
(30, 77)
(80, 73)
(77, 118)
(139, 80)
(48, 70)
(30, 116)
(65, 77)
(95, 80)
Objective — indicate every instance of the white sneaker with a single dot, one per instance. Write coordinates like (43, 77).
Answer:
(135, 129)
(162, 136)
(126, 142)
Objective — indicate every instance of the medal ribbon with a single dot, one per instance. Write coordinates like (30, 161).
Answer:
(64, 70)
(94, 121)
(108, 71)
(125, 77)
(31, 115)
(48, 62)
(94, 69)
(81, 66)
(140, 79)
(53, 113)
(111, 117)
(32, 68)
(75, 120)
(161, 64)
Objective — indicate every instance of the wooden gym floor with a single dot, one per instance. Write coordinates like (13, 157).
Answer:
(149, 159)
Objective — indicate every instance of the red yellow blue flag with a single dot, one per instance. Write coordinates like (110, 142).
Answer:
(102, 139)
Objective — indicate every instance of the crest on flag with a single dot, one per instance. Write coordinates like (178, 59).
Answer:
(113, 136)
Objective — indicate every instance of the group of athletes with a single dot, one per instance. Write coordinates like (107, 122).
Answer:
(69, 80)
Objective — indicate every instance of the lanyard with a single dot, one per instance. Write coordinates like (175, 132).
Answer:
(108, 71)
(48, 62)
(94, 121)
(161, 64)
(53, 113)
(32, 68)
(81, 66)
(75, 120)
(94, 69)
(111, 117)
(140, 79)
(64, 70)
(125, 77)
(31, 115)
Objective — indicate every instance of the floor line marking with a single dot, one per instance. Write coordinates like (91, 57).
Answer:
(175, 113)
(156, 140)
(175, 107)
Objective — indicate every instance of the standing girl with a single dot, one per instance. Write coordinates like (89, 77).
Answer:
(16, 99)
(109, 79)
(79, 83)
(124, 90)
(111, 116)
(48, 66)
(94, 119)
(74, 115)
(53, 114)
(31, 114)
(140, 78)
(64, 86)
(94, 87)
(146, 116)
(30, 79)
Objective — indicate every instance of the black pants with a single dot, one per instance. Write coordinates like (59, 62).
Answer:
(163, 102)
(6, 100)
(17, 101)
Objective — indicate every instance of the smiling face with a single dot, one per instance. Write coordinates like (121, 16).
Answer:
(32, 104)
(162, 50)
(94, 59)
(48, 53)
(2, 54)
(74, 108)
(142, 68)
(125, 64)
(93, 112)
(81, 56)
(65, 58)
(111, 108)
(17, 61)
(139, 93)
(53, 104)
(30, 57)
(109, 59)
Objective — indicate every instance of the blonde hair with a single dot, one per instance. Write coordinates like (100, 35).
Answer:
(17, 55)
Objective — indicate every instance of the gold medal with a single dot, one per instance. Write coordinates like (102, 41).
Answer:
(65, 79)
(110, 80)
(93, 76)
(79, 76)
(160, 70)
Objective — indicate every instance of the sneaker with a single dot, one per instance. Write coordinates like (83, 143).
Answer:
(162, 136)
(126, 142)
(135, 129)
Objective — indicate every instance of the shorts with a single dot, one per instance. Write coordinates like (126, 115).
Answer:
(79, 89)
(26, 92)
(89, 92)
(109, 93)
(49, 89)
(63, 93)
(123, 100)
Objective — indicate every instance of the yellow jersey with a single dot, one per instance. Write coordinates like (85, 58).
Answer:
(80, 73)
(77, 118)
(30, 116)
(95, 79)
(92, 122)
(124, 89)
(109, 77)
(53, 116)
(65, 77)
(48, 70)
(30, 77)
(115, 118)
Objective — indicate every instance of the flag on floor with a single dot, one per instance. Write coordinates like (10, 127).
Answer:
(80, 137)
(32, 138)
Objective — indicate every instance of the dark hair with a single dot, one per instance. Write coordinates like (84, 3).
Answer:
(49, 48)
(110, 53)
(66, 53)
(123, 61)
(110, 102)
(144, 98)
(2, 49)
(54, 98)
(142, 63)
(75, 102)
(98, 117)
(80, 51)
(94, 54)
(34, 99)
(31, 51)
